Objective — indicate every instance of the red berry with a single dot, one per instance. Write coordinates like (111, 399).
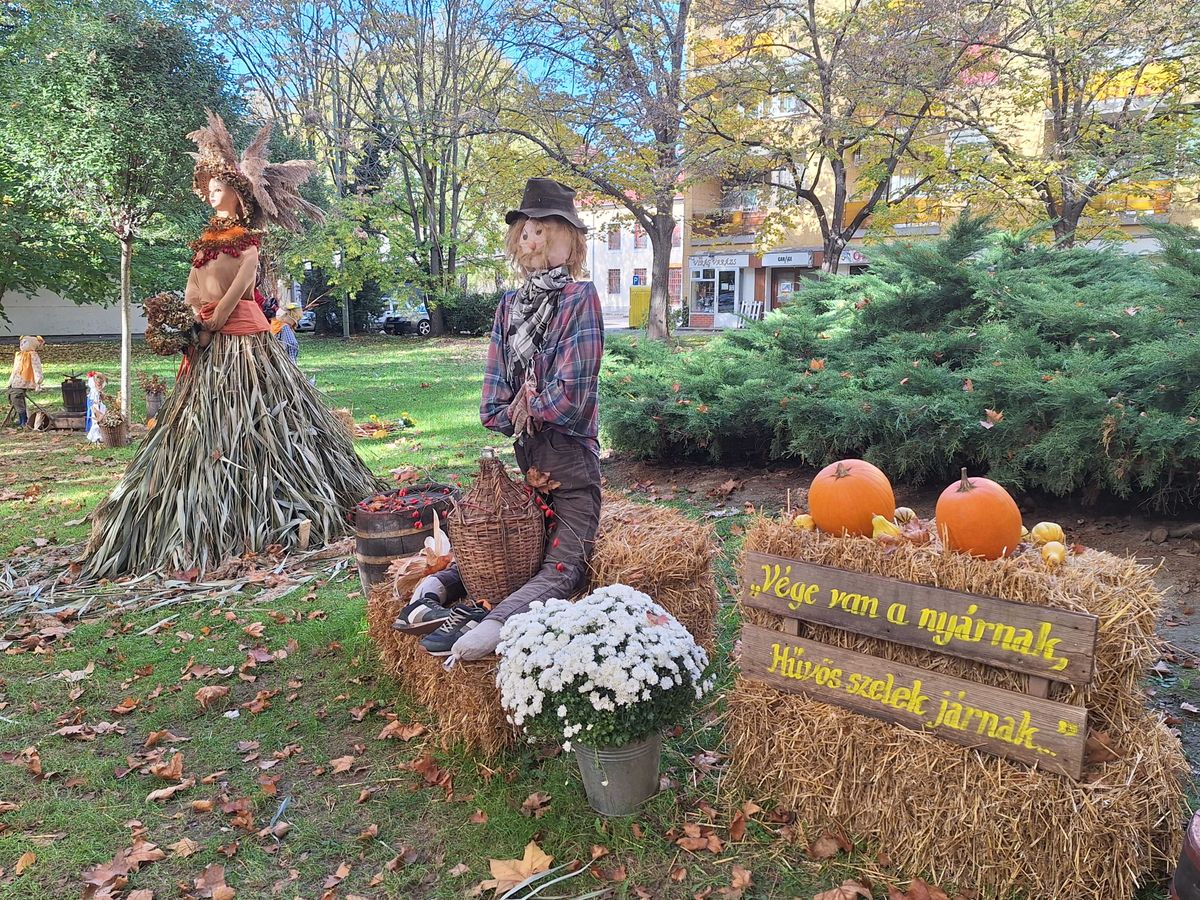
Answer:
(560, 567)
(554, 543)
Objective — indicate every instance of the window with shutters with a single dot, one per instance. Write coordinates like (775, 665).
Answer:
(614, 281)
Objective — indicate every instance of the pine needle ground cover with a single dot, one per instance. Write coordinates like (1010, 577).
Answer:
(1064, 371)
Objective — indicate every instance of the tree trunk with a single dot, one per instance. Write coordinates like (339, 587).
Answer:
(657, 328)
(834, 245)
(126, 318)
(437, 321)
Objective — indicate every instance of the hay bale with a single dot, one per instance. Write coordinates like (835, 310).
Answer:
(659, 551)
(957, 814)
(653, 549)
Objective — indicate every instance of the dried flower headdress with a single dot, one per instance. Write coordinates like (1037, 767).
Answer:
(269, 190)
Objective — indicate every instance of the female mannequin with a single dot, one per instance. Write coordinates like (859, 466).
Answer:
(245, 455)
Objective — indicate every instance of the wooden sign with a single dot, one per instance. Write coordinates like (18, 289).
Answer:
(1049, 643)
(1004, 723)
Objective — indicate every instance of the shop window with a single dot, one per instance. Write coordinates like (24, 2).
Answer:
(614, 281)
(639, 238)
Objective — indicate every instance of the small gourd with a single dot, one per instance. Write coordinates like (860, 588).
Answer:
(1045, 532)
(977, 516)
(1054, 554)
(904, 515)
(804, 522)
(882, 528)
(846, 494)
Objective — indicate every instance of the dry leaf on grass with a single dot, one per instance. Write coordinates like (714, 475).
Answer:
(404, 731)
(341, 764)
(508, 873)
(211, 883)
(169, 771)
(479, 817)
(125, 707)
(699, 837)
(918, 889)
(741, 882)
(184, 847)
(847, 890)
(830, 844)
(536, 805)
(168, 792)
(459, 870)
(27, 859)
(209, 695)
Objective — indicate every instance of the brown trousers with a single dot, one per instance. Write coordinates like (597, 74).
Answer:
(571, 535)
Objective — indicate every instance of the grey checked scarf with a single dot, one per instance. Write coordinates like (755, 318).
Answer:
(532, 309)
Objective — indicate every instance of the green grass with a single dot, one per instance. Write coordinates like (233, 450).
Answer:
(77, 818)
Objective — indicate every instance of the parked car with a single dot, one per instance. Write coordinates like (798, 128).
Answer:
(308, 321)
(406, 318)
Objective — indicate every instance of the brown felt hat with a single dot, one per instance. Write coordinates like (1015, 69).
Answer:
(546, 197)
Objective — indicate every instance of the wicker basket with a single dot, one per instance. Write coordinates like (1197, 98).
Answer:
(497, 532)
(114, 436)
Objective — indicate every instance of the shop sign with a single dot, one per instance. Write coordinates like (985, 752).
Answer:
(851, 257)
(727, 261)
(799, 259)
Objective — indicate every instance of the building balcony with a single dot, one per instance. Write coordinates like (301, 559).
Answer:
(727, 223)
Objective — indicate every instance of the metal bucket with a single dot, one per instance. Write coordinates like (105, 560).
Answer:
(1186, 883)
(618, 780)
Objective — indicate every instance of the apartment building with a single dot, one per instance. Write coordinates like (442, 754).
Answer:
(619, 254)
(741, 262)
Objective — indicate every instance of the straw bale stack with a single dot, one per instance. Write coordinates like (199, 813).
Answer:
(959, 815)
(653, 549)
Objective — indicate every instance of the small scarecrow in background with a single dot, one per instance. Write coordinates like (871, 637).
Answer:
(26, 376)
(283, 326)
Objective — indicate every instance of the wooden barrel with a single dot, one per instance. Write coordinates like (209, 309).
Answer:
(1186, 883)
(396, 527)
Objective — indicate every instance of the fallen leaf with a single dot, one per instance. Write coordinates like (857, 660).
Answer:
(369, 833)
(168, 792)
(341, 764)
(211, 883)
(679, 874)
(165, 736)
(829, 845)
(254, 629)
(332, 881)
(207, 696)
(737, 828)
(184, 847)
(125, 707)
(404, 731)
(848, 890)
(536, 805)
(479, 817)
(508, 873)
(617, 873)
(459, 870)
(27, 859)
(170, 771)
(741, 882)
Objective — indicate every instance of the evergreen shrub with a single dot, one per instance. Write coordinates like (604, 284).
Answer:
(1064, 370)
(470, 313)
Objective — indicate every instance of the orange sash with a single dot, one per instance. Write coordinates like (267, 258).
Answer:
(246, 318)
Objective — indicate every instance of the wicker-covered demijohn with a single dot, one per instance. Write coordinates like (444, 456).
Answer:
(498, 533)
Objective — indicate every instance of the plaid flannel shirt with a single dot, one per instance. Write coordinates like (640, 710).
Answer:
(567, 368)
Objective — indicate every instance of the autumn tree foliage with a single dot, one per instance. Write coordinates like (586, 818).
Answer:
(1061, 370)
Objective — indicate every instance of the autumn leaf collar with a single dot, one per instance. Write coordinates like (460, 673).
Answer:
(223, 236)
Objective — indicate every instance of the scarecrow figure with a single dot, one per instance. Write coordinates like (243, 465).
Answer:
(245, 453)
(283, 326)
(540, 387)
(26, 376)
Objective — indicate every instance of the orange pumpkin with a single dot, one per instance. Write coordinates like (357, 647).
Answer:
(846, 494)
(977, 516)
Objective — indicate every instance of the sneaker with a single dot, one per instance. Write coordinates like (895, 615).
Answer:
(462, 619)
(422, 616)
